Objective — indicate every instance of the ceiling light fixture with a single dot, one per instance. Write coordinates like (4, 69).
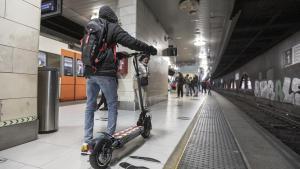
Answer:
(199, 43)
(94, 16)
(202, 56)
(189, 6)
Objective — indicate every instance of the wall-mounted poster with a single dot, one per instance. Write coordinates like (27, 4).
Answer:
(68, 66)
(79, 68)
(237, 76)
(287, 56)
(296, 54)
(42, 59)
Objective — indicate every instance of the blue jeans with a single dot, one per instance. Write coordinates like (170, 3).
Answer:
(108, 85)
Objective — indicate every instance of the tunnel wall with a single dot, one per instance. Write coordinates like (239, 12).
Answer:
(274, 77)
(19, 38)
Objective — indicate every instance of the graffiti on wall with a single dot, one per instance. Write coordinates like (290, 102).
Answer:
(288, 91)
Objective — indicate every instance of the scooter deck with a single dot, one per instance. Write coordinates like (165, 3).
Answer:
(124, 133)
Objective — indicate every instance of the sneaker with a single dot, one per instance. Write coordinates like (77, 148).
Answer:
(86, 149)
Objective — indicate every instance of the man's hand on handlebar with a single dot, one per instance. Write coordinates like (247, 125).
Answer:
(152, 50)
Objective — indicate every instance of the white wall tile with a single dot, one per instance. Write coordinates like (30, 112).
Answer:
(130, 28)
(18, 108)
(126, 96)
(25, 61)
(17, 35)
(51, 46)
(17, 85)
(123, 3)
(158, 80)
(6, 54)
(36, 3)
(128, 10)
(128, 19)
(148, 28)
(2, 8)
(125, 85)
(22, 12)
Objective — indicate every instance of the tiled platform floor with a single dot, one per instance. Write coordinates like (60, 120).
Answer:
(60, 150)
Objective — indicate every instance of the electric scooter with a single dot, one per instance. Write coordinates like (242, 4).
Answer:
(104, 144)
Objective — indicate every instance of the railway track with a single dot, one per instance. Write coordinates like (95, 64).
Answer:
(280, 123)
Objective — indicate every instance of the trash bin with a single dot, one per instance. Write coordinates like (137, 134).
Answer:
(48, 99)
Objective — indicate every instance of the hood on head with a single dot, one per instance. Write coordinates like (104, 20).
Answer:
(107, 13)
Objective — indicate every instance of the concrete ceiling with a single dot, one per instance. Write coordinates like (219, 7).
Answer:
(209, 23)
(261, 25)
(80, 11)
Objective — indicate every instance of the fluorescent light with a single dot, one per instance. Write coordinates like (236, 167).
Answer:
(199, 43)
(202, 55)
(96, 13)
(94, 16)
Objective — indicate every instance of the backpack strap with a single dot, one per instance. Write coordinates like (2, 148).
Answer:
(113, 47)
(115, 52)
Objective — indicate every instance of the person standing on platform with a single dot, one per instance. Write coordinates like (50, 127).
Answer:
(101, 73)
(187, 84)
(191, 85)
(144, 74)
(208, 86)
(195, 81)
(180, 83)
(203, 85)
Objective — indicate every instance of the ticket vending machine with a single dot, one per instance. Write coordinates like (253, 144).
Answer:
(67, 81)
(80, 81)
(72, 82)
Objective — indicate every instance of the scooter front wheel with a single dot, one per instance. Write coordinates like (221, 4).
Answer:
(102, 154)
(147, 127)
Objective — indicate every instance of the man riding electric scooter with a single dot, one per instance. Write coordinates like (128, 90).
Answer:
(100, 67)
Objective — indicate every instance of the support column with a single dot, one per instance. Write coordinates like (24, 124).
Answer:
(19, 35)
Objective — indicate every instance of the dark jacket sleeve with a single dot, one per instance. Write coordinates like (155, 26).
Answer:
(122, 37)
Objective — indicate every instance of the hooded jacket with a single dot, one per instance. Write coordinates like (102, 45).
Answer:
(116, 35)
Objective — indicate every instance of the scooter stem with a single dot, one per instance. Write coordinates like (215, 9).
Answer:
(135, 63)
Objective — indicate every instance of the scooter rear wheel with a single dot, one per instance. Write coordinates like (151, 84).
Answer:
(102, 154)
(147, 127)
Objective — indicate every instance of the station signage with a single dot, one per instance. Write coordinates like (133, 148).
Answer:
(51, 8)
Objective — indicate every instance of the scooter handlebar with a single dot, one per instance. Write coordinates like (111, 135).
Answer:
(121, 55)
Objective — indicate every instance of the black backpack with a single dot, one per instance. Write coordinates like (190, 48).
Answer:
(93, 43)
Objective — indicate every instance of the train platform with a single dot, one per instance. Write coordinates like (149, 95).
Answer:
(203, 132)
